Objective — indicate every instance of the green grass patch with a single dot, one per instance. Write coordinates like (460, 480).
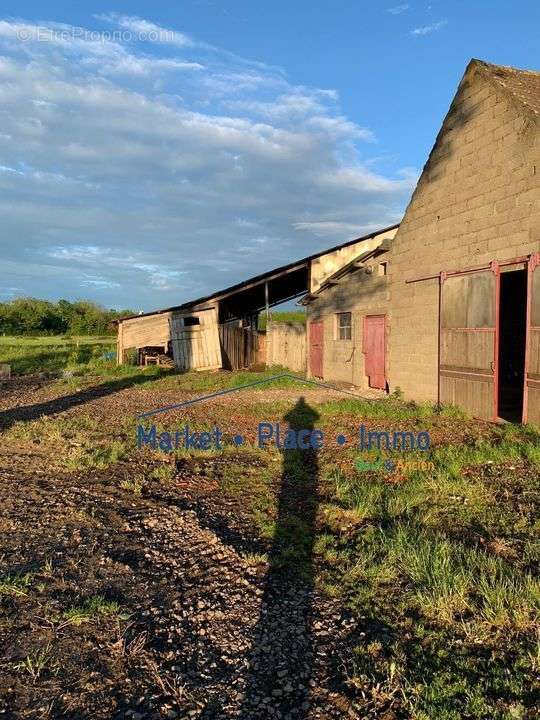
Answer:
(285, 316)
(15, 585)
(91, 610)
(39, 354)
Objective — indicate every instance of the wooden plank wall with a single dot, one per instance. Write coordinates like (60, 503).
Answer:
(286, 345)
(150, 331)
(196, 347)
(533, 377)
(467, 358)
(239, 346)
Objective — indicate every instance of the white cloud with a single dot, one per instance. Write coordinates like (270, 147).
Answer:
(145, 31)
(398, 9)
(428, 29)
(329, 228)
(148, 178)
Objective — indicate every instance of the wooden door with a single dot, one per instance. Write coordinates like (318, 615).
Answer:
(316, 348)
(468, 351)
(195, 341)
(531, 399)
(374, 349)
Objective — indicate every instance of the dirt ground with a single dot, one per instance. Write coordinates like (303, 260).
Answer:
(200, 633)
(138, 589)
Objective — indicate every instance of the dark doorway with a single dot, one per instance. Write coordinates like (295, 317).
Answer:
(512, 337)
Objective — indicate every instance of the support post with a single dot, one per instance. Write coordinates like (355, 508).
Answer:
(119, 345)
(266, 302)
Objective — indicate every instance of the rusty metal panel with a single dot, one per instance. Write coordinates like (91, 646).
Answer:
(468, 342)
(374, 347)
(316, 348)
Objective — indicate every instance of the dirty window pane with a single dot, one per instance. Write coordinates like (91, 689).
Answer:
(468, 301)
(344, 326)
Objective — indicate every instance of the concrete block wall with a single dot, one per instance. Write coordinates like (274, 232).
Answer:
(478, 200)
(360, 294)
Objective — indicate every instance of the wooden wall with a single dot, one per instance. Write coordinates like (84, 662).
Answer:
(286, 345)
(145, 331)
(196, 347)
(238, 346)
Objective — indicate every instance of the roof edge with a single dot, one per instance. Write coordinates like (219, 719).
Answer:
(238, 286)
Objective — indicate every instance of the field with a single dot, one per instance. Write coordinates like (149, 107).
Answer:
(51, 353)
(248, 582)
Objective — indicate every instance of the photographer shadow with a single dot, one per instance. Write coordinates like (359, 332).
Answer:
(282, 654)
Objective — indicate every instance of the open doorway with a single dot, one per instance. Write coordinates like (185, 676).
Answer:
(512, 339)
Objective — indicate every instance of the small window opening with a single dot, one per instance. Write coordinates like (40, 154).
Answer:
(344, 326)
(383, 268)
(190, 321)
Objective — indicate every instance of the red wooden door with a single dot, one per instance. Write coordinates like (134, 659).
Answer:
(316, 346)
(531, 400)
(469, 341)
(374, 345)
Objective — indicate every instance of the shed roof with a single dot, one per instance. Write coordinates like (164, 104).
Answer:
(274, 274)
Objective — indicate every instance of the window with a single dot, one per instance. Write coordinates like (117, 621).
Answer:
(344, 326)
(383, 269)
(190, 321)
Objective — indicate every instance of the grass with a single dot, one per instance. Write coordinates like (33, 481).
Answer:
(134, 485)
(15, 585)
(39, 662)
(285, 316)
(91, 610)
(437, 562)
(52, 353)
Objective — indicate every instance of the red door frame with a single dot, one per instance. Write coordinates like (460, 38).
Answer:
(385, 320)
(496, 269)
(532, 263)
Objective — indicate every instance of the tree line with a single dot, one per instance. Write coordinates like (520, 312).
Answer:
(30, 316)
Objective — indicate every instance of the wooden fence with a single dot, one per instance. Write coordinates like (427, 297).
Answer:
(238, 346)
(286, 345)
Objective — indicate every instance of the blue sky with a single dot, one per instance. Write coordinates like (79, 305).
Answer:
(151, 154)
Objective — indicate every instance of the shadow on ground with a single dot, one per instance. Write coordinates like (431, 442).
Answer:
(26, 413)
(281, 657)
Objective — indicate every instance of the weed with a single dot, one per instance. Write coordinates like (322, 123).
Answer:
(16, 585)
(90, 611)
(38, 662)
(256, 559)
(164, 472)
(101, 456)
(134, 485)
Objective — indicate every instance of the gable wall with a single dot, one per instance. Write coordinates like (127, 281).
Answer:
(478, 200)
(326, 265)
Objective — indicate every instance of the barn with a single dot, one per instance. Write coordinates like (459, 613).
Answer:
(448, 310)
(220, 330)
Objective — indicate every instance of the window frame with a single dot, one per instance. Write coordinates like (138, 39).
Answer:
(347, 336)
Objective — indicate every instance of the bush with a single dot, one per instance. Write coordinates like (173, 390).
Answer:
(30, 316)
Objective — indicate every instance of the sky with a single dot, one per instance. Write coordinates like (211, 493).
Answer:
(152, 153)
